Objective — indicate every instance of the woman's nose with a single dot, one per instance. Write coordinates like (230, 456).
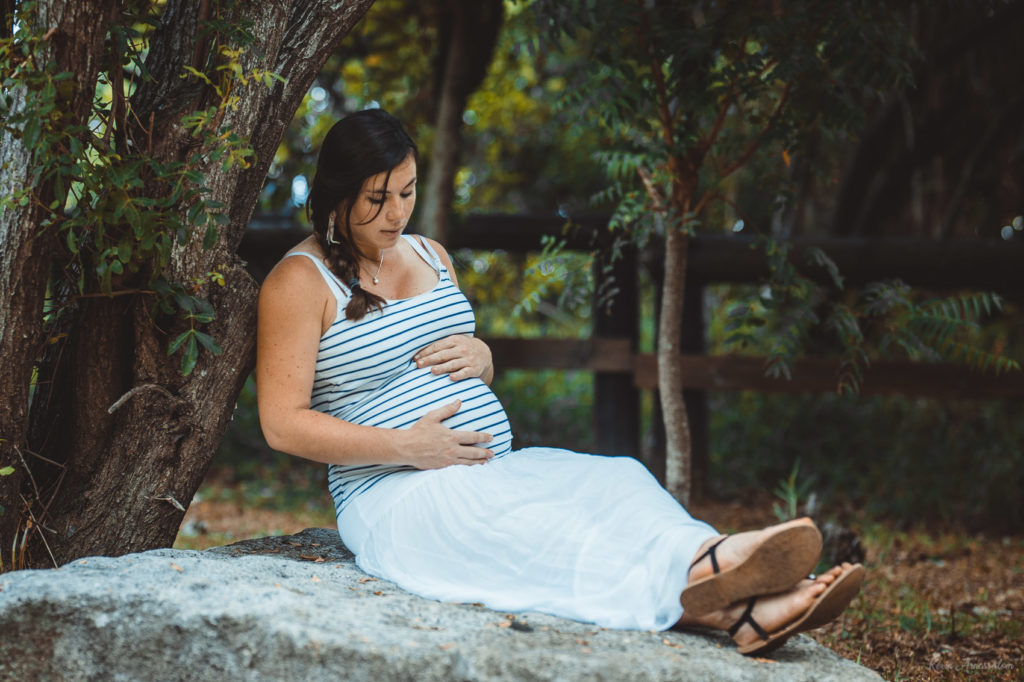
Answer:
(396, 208)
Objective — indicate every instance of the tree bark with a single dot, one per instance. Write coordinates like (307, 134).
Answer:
(76, 31)
(141, 434)
(670, 377)
(468, 34)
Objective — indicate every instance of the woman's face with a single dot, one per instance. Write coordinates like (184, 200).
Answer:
(381, 212)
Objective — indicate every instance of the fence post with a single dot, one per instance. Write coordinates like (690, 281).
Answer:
(616, 400)
(694, 342)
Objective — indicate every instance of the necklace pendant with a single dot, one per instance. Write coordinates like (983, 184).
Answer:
(376, 281)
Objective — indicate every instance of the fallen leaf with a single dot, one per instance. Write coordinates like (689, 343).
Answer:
(367, 580)
(446, 647)
(177, 568)
(295, 544)
(312, 557)
(315, 579)
(379, 593)
(504, 624)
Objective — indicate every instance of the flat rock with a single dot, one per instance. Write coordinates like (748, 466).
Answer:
(297, 608)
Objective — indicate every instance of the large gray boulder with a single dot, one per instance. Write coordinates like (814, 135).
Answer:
(297, 608)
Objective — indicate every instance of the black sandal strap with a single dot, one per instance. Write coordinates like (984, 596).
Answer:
(748, 619)
(710, 552)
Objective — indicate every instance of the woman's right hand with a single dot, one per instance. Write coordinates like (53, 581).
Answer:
(432, 445)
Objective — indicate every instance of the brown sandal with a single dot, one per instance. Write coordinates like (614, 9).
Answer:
(789, 552)
(826, 607)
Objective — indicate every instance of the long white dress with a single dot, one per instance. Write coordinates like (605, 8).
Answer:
(586, 537)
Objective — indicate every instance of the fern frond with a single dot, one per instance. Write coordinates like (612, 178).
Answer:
(884, 297)
(978, 358)
(966, 307)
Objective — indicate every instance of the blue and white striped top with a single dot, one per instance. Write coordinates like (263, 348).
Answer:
(365, 373)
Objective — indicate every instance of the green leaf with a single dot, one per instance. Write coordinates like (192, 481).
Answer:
(195, 212)
(124, 251)
(188, 361)
(176, 343)
(30, 134)
(210, 238)
(184, 301)
(6, 471)
(208, 343)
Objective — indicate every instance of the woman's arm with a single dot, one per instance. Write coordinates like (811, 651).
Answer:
(292, 305)
(459, 356)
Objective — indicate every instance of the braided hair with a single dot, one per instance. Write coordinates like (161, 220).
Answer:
(356, 148)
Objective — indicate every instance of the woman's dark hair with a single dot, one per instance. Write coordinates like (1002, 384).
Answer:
(357, 147)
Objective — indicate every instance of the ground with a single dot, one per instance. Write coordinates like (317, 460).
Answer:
(935, 606)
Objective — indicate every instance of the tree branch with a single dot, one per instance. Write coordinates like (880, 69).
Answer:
(756, 142)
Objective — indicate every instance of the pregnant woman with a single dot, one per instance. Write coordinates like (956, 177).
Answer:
(367, 362)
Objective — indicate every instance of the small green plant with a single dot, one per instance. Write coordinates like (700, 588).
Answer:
(790, 491)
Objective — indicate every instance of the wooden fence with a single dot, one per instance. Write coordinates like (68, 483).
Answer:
(621, 372)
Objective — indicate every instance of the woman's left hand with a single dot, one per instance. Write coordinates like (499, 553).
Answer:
(459, 356)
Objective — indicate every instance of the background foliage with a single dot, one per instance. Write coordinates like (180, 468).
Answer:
(906, 458)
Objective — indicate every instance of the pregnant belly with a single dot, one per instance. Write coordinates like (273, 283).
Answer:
(400, 403)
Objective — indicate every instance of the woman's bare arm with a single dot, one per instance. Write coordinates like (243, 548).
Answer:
(290, 320)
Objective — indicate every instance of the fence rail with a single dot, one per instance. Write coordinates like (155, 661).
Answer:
(621, 372)
(743, 372)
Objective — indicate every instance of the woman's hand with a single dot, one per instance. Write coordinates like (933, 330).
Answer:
(459, 356)
(436, 446)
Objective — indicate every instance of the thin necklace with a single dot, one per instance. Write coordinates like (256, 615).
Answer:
(379, 266)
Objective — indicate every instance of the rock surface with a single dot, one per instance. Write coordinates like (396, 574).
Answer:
(297, 608)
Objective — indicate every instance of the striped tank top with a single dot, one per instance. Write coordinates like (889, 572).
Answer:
(365, 373)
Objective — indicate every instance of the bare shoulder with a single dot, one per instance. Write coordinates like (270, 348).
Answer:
(295, 282)
(439, 250)
(291, 273)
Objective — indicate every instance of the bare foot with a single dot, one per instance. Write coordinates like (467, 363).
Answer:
(771, 612)
(733, 551)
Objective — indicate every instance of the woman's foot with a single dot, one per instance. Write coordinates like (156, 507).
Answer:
(731, 568)
(765, 622)
(773, 613)
(732, 550)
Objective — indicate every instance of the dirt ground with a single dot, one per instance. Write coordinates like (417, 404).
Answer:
(934, 607)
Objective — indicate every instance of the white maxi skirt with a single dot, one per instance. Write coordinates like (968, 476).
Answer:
(587, 537)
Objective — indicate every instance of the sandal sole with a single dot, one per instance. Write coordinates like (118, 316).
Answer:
(782, 559)
(826, 607)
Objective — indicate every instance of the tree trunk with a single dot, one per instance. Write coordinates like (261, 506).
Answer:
(670, 378)
(76, 31)
(140, 435)
(469, 31)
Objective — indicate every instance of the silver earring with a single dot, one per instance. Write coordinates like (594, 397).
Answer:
(330, 231)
